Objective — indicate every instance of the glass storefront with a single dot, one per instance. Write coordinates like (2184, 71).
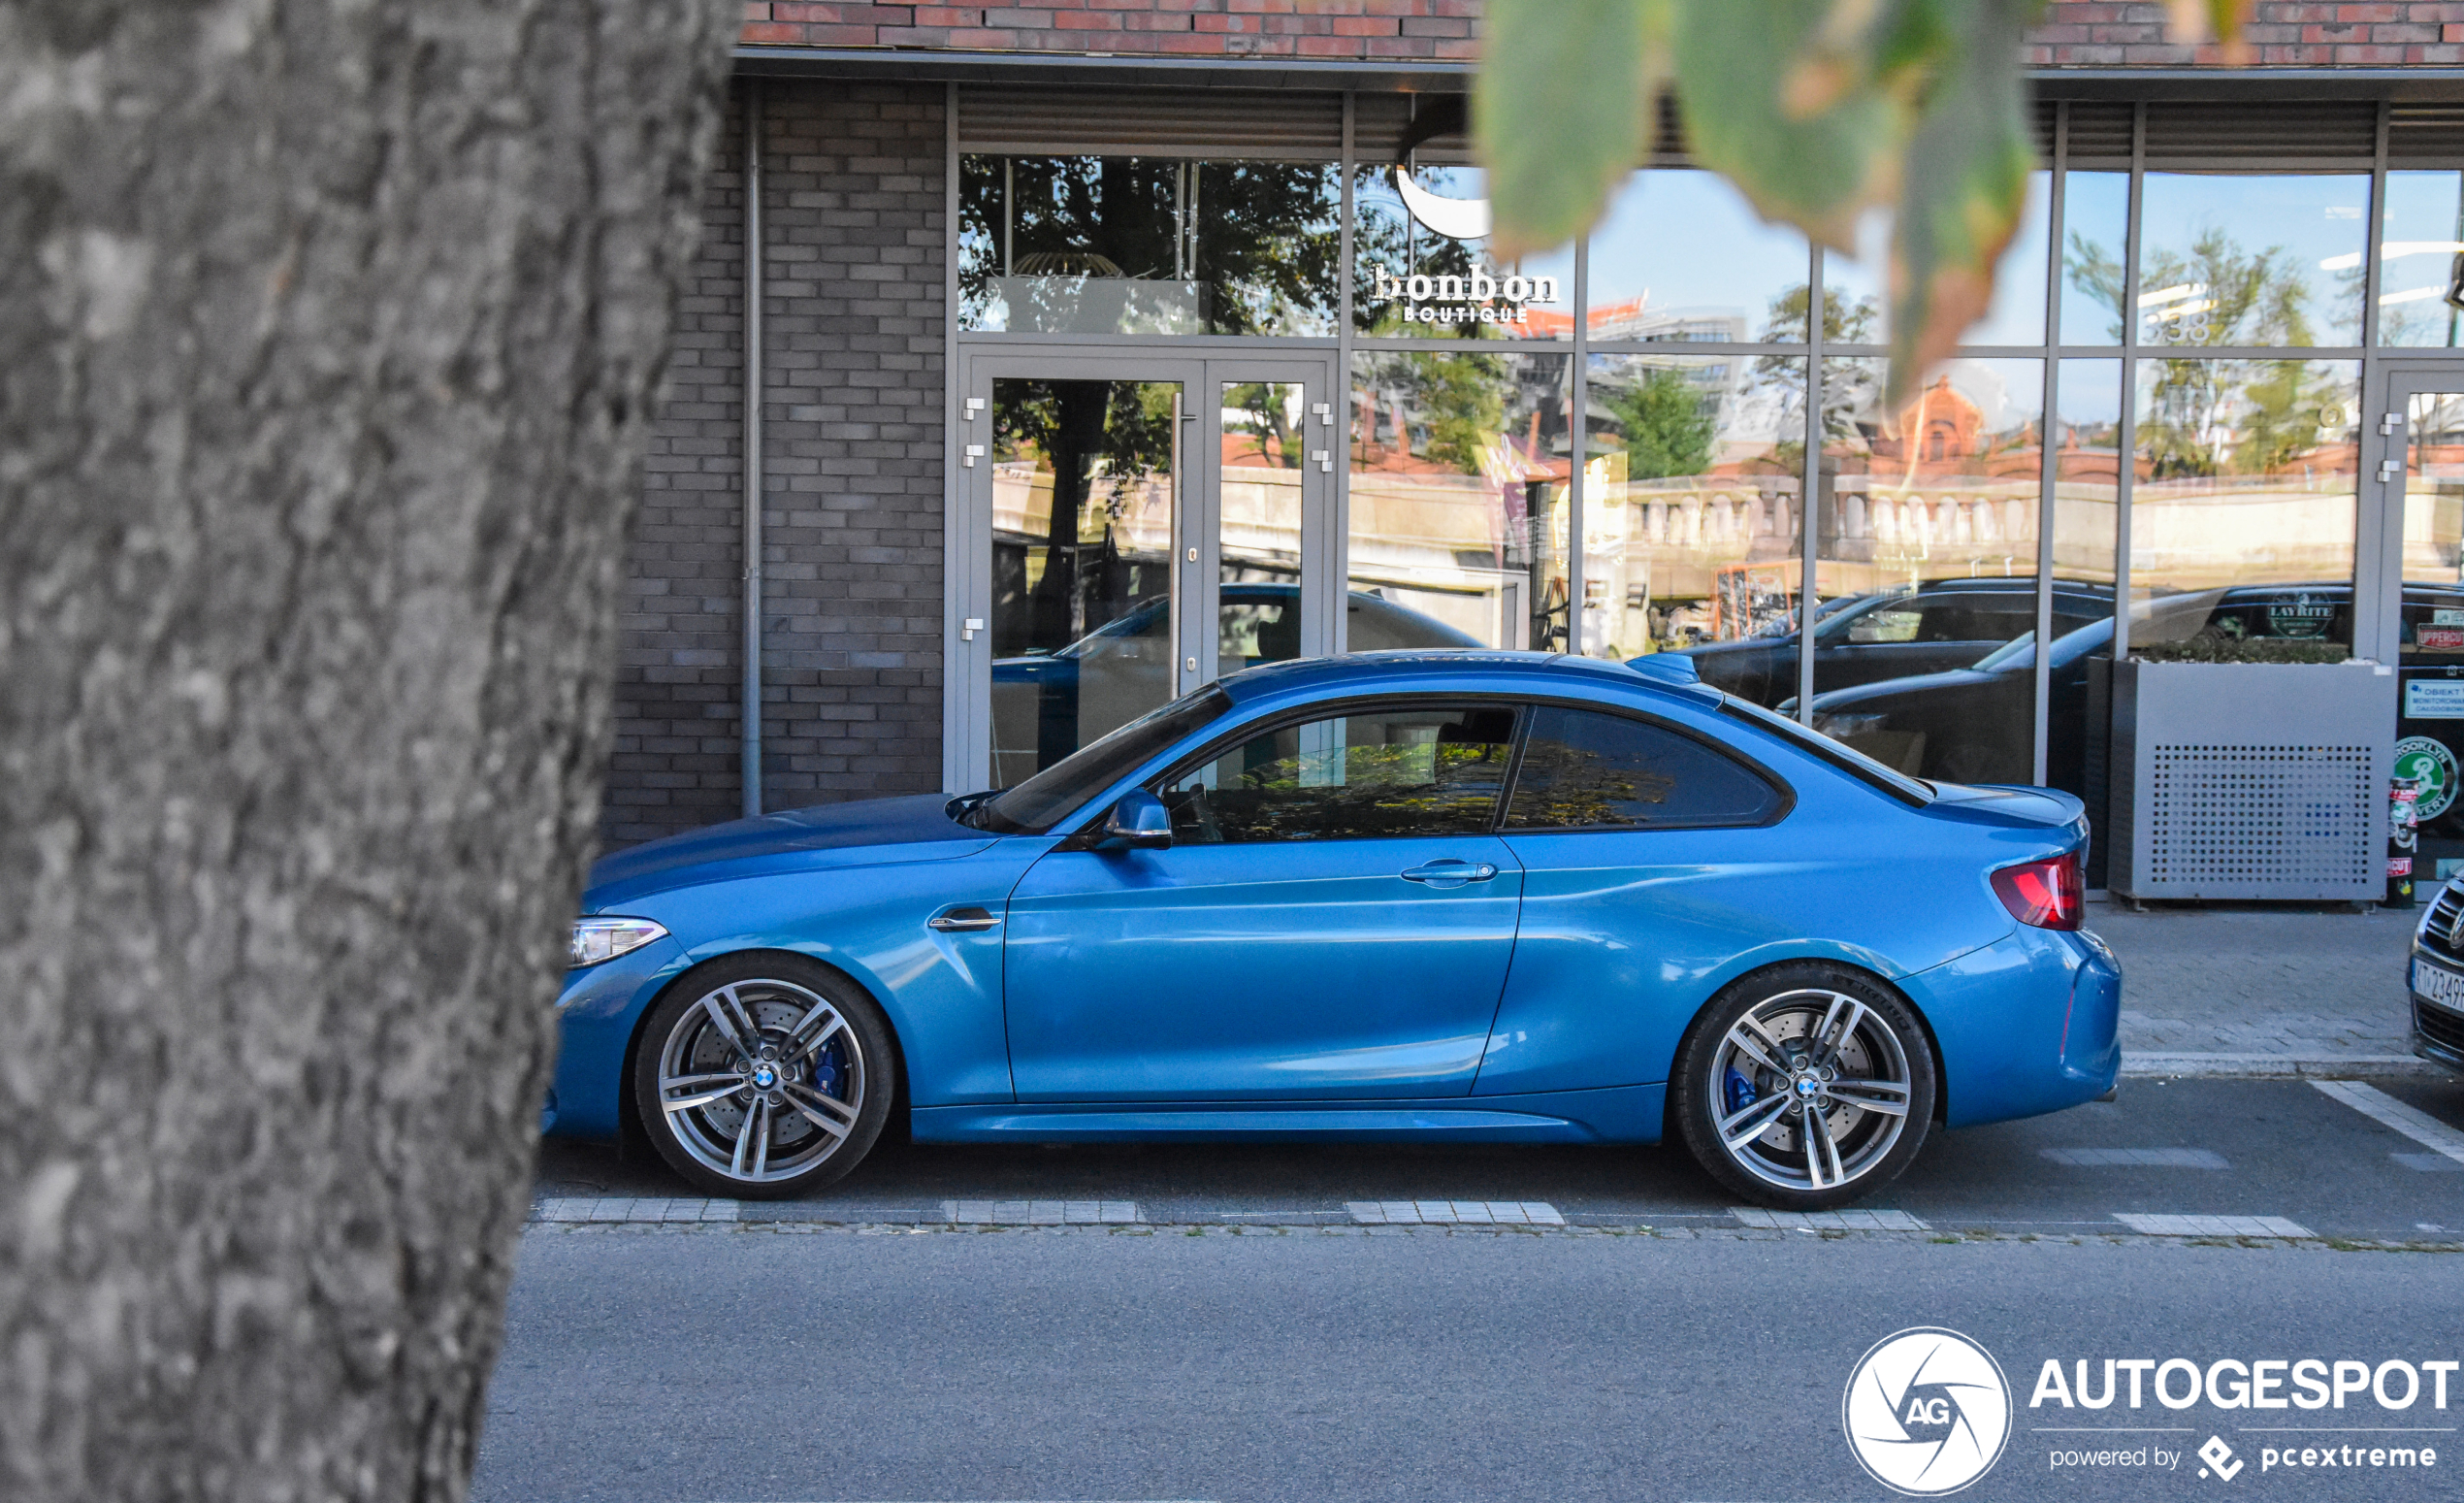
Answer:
(1648, 442)
(1459, 497)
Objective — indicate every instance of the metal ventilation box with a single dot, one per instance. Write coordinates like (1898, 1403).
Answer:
(2250, 781)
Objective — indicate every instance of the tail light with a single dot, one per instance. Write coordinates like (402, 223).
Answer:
(2046, 893)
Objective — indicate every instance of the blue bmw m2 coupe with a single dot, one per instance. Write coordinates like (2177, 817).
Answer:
(1439, 895)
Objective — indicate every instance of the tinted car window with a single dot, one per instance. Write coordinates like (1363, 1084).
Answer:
(1582, 769)
(1420, 771)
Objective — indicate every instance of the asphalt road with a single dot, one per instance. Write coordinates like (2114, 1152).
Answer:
(2278, 1148)
(1400, 1364)
(1245, 1340)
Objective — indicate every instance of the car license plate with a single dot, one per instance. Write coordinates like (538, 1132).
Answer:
(2439, 985)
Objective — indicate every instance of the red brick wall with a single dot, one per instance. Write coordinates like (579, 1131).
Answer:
(2101, 34)
(2076, 34)
(1339, 29)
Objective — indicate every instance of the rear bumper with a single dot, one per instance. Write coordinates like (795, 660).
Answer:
(2029, 1024)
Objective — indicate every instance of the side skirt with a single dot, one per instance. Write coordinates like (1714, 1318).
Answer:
(1624, 1114)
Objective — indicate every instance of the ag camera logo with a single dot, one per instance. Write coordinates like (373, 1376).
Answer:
(1926, 1411)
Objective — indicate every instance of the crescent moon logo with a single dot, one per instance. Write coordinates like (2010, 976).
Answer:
(1456, 219)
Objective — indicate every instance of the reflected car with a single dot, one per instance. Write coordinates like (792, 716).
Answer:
(1862, 639)
(2437, 981)
(1047, 705)
(1437, 896)
(1972, 724)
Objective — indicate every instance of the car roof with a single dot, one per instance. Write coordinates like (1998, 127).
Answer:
(1400, 666)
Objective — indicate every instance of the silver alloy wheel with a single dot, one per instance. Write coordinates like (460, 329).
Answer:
(761, 1080)
(1810, 1090)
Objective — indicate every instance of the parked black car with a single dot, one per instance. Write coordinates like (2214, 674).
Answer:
(1861, 639)
(1973, 723)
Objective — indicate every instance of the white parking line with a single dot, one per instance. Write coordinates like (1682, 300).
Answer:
(2419, 1126)
(1454, 1213)
(2211, 1225)
(615, 1208)
(1827, 1221)
(1040, 1213)
(2138, 1158)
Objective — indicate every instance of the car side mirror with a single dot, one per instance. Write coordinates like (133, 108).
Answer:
(1139, 822)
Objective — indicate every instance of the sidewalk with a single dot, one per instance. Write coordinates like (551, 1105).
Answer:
(2262, 991)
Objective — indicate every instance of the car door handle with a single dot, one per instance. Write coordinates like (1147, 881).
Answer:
(1451, 872)
(962, 921)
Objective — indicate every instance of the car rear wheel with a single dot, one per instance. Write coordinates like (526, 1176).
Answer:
(763, 1076)
(1805, 1087)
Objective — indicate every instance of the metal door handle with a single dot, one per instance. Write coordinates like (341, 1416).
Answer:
(962, 921)
(1451, 872)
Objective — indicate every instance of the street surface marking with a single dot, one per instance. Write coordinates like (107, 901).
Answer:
(1040, 1213)
(1827, 1221)
(2211, 1225)
(2429, 1164)
(2138, 1158)
(1454, 1213)
(2419, 1126)
(610, 1208)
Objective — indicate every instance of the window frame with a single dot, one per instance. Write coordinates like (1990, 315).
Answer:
(1522, 704)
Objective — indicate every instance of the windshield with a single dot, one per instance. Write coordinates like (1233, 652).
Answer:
(2019, 652)
(1053, 794)
(1846, 758)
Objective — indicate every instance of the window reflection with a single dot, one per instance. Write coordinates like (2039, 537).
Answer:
(2242, 515)
(1384, 774)
(2246, 259)
(1423, 268)
(2096, 240)
(1683, 257)
(1927, 521)
(1860, 283)
(1459, 464)
(2422, 251)
(1692, 501)
(1085, 245)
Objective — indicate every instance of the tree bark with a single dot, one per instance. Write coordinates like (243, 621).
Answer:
(327, 332)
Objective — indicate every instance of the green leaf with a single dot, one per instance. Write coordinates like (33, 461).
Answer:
(1800, 107)
(1560, 112)
(1965, 182)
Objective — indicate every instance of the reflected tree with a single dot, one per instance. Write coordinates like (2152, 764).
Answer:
(1669, 422)
(1091, 434)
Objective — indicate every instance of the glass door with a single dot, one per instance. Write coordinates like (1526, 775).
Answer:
(2424, 603)
(1133, 529)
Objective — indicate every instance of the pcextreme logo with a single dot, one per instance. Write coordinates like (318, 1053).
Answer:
(1926, 1411)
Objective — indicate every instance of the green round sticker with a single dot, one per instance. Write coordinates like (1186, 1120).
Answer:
(2427, 761)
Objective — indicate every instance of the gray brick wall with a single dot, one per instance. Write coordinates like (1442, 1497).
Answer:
(851, 522)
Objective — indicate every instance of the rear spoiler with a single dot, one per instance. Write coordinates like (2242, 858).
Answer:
(1669, 667)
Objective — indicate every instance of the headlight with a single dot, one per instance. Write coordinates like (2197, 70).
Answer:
(604, 939)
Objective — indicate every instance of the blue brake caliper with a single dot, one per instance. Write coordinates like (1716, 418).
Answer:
(827, 1066)
(1738, 1091)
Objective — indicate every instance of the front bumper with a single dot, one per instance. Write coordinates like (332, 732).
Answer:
(2438, 1032)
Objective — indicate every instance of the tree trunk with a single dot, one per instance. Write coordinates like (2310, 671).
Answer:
(328, 330)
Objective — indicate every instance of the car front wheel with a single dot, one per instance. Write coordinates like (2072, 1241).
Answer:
(1805, 1087)
(763, 1076)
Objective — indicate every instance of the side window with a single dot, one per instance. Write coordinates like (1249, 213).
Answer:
(1587, 770)
(1887, 624)
(1352, 777)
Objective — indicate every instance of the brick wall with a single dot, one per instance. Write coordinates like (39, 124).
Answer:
(853, 416)
(851, 527)
(2076, 34)
(1442, 29)
(675, 764)
(2081, 34)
